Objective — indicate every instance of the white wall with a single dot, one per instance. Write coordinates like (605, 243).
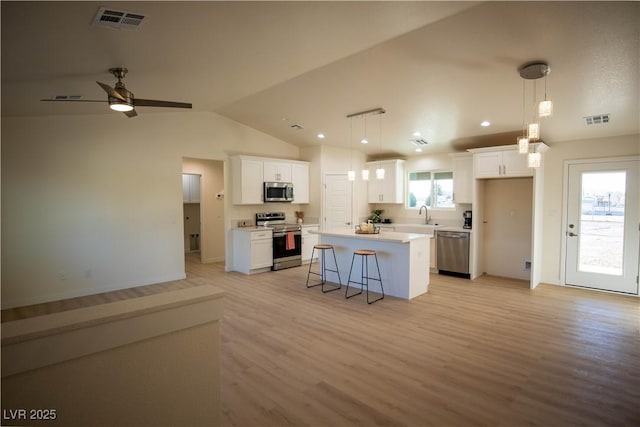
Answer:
(94, 203)
(553, 205)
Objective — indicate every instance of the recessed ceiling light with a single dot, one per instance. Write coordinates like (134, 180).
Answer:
(417, 133)
(364, 141)
(485, 123)
(321, 135)
(418, 150)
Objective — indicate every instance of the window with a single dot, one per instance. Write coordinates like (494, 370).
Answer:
(433, 189)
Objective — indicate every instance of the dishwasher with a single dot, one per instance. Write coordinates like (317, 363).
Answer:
(452, 252)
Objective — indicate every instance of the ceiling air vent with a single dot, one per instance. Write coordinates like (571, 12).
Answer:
(596, 120)
(296, 127)
(112, 18)
(419, 142)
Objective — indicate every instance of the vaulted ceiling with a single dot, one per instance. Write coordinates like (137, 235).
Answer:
(438, 68)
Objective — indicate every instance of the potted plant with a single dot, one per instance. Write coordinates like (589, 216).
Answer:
(375, 215)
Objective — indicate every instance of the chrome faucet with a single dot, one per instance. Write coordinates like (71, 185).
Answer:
(427, 218)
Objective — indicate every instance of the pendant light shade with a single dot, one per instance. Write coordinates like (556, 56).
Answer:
(523, 145)
(534, 159)
(545, 108)
(365, 174)
(380, 173)
(351, 175)
(533, 132)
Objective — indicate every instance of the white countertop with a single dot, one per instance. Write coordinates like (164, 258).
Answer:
(384, 236)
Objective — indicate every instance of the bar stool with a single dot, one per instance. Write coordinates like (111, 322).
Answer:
(322, 247)
(365, 254)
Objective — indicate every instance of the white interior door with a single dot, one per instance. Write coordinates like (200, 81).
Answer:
(337, 201)
(602, 237)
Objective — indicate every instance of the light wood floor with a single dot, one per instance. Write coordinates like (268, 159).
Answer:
(485, 352)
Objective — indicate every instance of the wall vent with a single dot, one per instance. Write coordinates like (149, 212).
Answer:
(112, 18)
(419, 142)
(596, 120)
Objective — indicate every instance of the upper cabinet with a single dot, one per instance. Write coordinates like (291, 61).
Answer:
(462, 178)
(246, 180)
(390, 189)
(190, 188)
(277, 171)
(300, 181)
(502, 161)
(248, 174)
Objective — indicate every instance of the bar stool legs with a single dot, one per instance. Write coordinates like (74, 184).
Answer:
(365, 254)
(323, 269)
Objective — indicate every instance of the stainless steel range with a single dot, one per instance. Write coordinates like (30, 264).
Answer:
(287, 239)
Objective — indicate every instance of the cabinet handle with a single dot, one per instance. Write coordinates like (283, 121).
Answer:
(499, 169)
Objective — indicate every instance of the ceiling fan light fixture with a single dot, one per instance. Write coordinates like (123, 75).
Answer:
(118, 105)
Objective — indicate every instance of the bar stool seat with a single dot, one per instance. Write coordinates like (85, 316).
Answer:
(323, 247)
(365, 275)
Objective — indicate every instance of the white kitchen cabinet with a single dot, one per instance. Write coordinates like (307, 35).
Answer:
(275, 171)
(190, 188)
(252, 250)
(300, 181)
(500, 163)
(462, 178)
(433, 259)
(391, 188)
(308, 241)
(246, 176)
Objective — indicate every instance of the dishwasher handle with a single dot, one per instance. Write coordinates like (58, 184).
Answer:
(453, 235)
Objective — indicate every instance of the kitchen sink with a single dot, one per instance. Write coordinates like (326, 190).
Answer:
(417, 228)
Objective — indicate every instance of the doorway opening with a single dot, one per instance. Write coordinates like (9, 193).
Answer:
(203, 209)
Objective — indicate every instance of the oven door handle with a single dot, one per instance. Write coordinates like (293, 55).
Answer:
(284, 233)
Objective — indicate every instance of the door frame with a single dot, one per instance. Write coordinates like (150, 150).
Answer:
(565, 201)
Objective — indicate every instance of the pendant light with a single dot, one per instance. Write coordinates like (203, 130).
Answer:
(351, 174)
(533, 129)
(380, 170)
(534, 71)
(534, 159)
(545, 108)
(523, 141)
(365, 172)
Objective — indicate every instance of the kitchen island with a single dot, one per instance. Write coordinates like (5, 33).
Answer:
(403, 259)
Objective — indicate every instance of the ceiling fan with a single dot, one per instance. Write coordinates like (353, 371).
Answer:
(120, 99)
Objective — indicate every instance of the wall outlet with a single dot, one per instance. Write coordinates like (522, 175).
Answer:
(245, 223)
(527, 265)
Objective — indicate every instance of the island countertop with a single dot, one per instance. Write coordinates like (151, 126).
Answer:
(383, 236)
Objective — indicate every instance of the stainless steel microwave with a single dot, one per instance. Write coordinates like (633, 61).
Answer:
(278, 192)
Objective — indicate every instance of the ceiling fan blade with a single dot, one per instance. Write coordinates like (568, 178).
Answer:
(131, 113)
(112, 92)
(73, 100)
(155, 103)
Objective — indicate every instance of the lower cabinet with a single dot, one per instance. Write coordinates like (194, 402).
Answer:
(308, 241)
(252, 250)
(432, 253)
